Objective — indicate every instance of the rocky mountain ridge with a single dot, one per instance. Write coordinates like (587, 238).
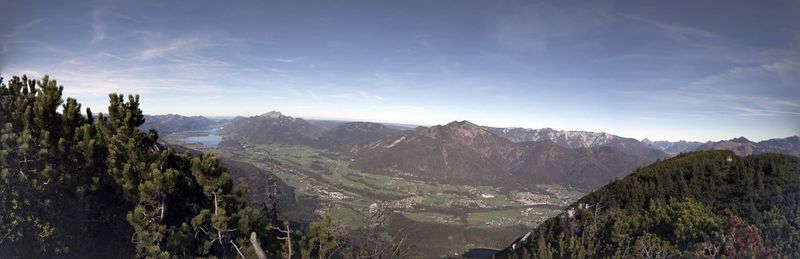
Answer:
(463, 152)
(743, 146)
(673, 148)
(581, 139)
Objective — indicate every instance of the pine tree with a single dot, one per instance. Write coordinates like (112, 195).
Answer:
(75, 185)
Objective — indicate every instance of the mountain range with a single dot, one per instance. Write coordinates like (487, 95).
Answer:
(673, 147)
(171, 123)
(581, 139)
(741, 146)
(276, 128)
(462, 152)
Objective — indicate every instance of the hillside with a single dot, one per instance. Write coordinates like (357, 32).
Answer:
(462, 152)
(694, 205)
(263, 187)
(171, 123)
(276, 128)
(345, 136)
(586, 168)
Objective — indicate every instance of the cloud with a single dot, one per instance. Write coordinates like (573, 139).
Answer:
(102, 17)
(13, 37)
(98, 25)
(288, 60)
(175, 46)
(138, 70)
(783, 71)
(674, 31)
(711, 101)
(750, 112)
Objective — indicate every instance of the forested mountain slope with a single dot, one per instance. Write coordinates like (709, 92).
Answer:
(347, 135)
(701, 204)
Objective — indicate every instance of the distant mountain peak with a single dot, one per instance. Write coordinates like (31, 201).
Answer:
(462, 124)
(741, 140)
(272, 115)
(459, 128)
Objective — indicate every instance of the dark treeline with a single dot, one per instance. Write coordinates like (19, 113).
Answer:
(78, 185)
(697, 205)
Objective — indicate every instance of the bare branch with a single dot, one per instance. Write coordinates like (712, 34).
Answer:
(8, 233)
(257, 246)
(237, 249)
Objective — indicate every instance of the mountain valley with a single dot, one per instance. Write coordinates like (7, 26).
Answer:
(459, 176)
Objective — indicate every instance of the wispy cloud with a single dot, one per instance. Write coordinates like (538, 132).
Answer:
(711, 101)
(548, 63)
(746, 111)
(785, 70)
(98, 25)
(173, 47)
(13, 36)
(102, 18)
(674, 31)
(288, 60)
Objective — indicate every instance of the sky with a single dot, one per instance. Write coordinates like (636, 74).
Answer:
(664, 70)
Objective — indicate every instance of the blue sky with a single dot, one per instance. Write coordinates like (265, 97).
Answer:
(692, 70)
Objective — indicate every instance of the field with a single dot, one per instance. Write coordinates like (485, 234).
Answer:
(349, 194)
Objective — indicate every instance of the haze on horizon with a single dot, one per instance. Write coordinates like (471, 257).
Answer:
(676, 70)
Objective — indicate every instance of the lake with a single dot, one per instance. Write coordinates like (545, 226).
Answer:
(208, 138)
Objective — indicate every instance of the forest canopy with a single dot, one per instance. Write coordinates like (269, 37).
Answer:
(711, 204)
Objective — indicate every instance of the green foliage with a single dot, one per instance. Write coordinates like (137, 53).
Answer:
(702, 204)
(78, 186)
(321, 240)
(72, 184)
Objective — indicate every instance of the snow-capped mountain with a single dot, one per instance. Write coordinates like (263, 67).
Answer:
(580, 139)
